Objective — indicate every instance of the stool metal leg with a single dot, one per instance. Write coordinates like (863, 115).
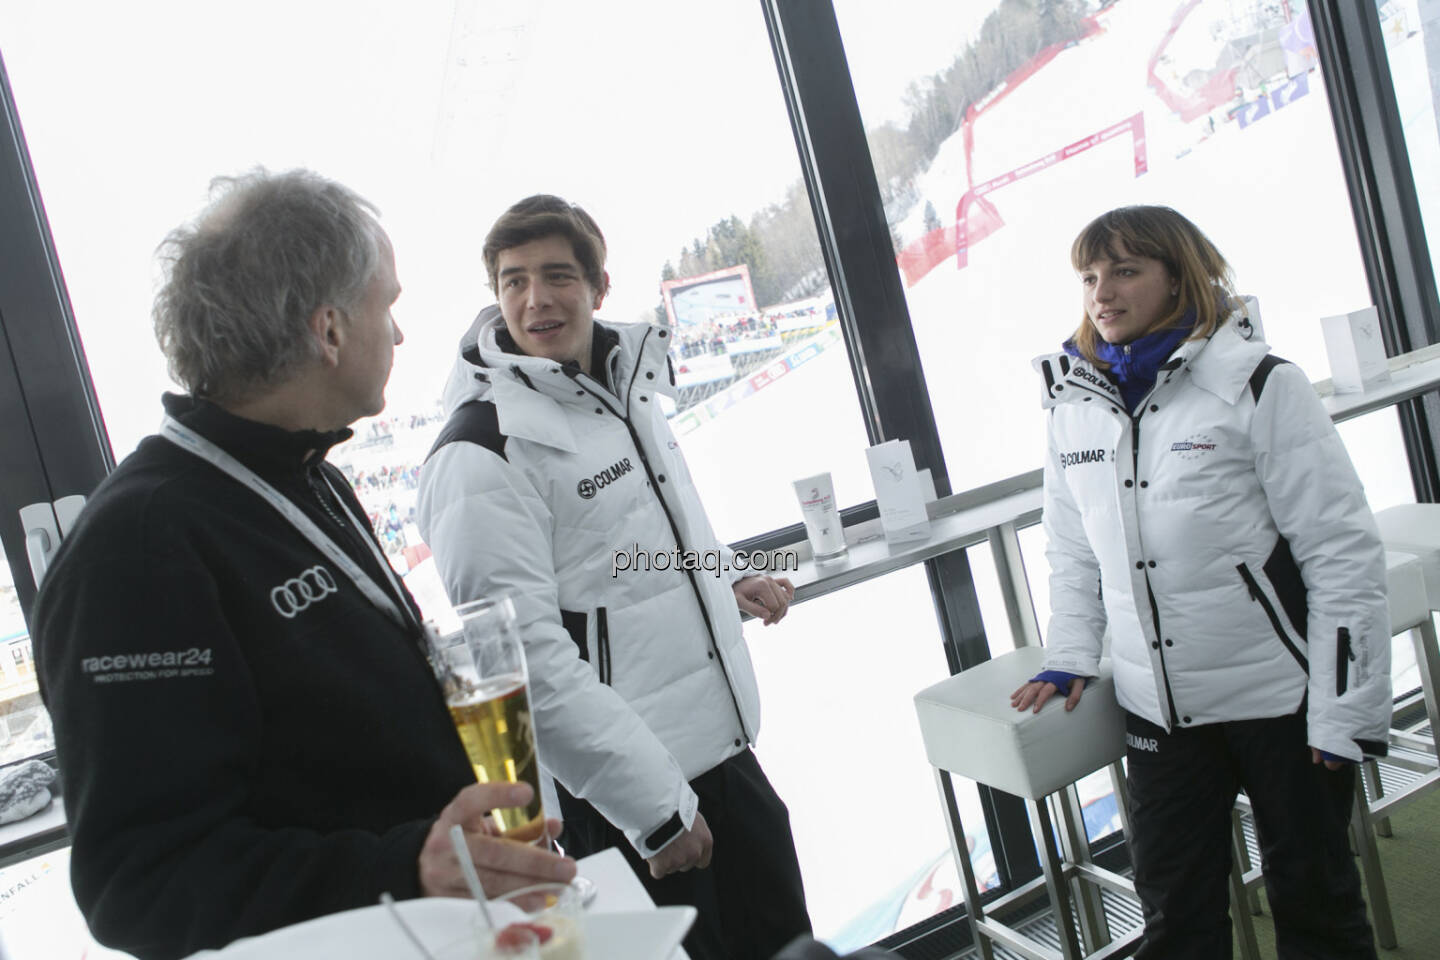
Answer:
(1363, 833)
(958, 849)
(1243, 863)
(1371, 770)
(1055, 885)
(1094, 929)
(1122, 797)
(1427, 659)
(1240, 898)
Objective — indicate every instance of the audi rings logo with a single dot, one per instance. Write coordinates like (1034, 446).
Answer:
(586, 489)
(298, 593)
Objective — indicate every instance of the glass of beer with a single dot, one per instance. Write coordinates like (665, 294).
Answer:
(481, 665)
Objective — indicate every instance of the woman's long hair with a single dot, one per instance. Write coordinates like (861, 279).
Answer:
(1201, 273)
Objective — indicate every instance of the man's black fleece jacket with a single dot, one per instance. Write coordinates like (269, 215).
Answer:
(239, 752)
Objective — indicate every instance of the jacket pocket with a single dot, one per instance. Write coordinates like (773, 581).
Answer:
(1344, 655)
(575, 623)
(1273, 615)
(602, 643)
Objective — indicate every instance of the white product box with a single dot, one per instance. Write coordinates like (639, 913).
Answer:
(899, 491)
(1355, 349)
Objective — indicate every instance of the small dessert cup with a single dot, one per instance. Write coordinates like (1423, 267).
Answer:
(553, 912)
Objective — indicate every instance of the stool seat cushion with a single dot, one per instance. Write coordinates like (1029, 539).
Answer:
(970, 729)
(1405, 591)
(1415, 528)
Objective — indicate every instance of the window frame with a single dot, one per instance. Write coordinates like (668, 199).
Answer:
(57, 443)
(62, 447)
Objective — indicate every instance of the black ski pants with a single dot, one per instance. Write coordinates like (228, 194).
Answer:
(750, 899)
(1182, 788)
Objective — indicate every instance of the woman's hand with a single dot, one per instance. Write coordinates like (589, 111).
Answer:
(1036, 692)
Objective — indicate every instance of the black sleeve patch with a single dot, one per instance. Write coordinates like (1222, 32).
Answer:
(1284, 575)
(668, 829)
(474, 422)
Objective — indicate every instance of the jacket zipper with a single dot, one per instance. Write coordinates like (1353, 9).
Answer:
(602, 645)
(324, 496)
(1149, 591)
(675, 532)
(1343, 657)
(1257, 594)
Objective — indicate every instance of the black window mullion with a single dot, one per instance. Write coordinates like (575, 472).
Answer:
(966, 645)
(854, 236)
(1371, 140)
(40, 325)
(54, 443)
(22, 478)
(875, 319)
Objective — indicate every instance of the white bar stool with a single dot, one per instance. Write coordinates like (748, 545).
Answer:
(1407, 585)
(970, 729)
(1414, 528)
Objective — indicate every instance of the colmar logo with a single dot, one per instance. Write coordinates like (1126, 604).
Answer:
(1148, 744)
(1077, 457)
(1083, 374)
(589, 486)
(299, 593)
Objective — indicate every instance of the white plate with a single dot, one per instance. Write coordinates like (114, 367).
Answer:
(369, 933)
(648, 935)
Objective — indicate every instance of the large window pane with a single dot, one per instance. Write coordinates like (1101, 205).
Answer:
(444, 114)
(1046, 115)
(843, 749)
(1412, 46)
(24, 724)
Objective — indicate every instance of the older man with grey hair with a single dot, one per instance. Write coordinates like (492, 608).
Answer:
(248, 728)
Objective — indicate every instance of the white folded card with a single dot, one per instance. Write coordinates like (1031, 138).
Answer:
(899, 491)
(1355, 349)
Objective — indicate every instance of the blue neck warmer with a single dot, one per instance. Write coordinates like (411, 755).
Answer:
(1134, 365)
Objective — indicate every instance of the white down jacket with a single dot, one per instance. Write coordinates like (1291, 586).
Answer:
(639, 681)
(1225, 542)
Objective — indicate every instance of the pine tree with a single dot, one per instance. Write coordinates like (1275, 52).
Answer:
(932, 219)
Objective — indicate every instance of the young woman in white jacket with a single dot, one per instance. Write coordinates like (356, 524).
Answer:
(1200, 506)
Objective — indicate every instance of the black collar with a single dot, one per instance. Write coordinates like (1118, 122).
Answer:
(263, 448)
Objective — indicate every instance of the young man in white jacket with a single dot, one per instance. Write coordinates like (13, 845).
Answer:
(555, 459)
